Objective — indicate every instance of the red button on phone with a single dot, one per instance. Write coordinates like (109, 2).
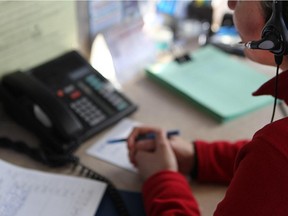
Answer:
(74, 95)
(60, 93)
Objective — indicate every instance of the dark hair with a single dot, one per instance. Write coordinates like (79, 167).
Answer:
(267, 9)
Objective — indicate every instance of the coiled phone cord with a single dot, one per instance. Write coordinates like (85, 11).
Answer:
(53, 160)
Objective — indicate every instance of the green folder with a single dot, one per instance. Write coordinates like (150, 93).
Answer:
(214, 81)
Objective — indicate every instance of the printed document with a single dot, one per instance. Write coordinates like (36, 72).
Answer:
(115, 153)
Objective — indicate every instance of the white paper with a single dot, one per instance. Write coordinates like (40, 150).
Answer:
(115, 153)
(26, 192)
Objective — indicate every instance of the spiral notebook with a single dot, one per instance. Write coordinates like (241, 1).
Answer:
(31, 192)
(214, 82)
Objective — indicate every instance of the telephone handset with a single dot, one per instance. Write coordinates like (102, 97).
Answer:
(64, 101)
(29, 99)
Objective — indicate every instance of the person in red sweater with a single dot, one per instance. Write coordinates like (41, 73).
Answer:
(256, 170)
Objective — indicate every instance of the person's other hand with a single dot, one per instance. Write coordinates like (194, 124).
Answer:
(151, 156)
(184, 152)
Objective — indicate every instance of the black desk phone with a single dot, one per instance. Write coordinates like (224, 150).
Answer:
(64, 101)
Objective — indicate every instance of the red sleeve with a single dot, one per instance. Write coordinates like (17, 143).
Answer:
(168, 193)
(215, 160)
(258, 187)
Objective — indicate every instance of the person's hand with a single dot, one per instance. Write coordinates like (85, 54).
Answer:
(151, 156)
(184, 152)
(182, 149)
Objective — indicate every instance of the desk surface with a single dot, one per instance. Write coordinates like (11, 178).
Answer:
(157, 107)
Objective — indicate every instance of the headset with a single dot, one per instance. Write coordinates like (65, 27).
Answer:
(274, 37)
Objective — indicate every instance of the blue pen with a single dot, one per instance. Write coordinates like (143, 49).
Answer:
(143, 137)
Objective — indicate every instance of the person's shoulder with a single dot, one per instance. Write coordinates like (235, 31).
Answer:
(275, 135)
(275, 129)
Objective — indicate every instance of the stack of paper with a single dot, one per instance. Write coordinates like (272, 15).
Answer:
(214, 81)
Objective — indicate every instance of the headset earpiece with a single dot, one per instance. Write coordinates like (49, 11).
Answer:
(276, 29)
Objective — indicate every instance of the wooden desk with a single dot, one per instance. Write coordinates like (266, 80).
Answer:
(157, 107)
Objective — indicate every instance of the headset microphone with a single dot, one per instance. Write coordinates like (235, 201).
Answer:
(263, 44)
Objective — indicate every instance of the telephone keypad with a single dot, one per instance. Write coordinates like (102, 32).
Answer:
(107, 91)
(88, 111)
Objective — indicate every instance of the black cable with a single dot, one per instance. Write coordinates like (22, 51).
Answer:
(278, 61)
(54, 160)
(45, 157)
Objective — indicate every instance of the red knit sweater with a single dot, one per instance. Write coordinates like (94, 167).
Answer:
(256, 171)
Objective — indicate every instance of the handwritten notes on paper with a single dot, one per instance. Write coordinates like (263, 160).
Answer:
(32, 32)
(28, 192)
(116, 153)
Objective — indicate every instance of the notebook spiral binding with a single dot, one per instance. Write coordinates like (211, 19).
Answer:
(83, 170)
